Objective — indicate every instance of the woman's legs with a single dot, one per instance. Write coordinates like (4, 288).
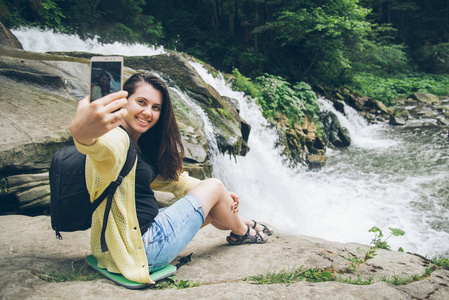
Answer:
(217, 203)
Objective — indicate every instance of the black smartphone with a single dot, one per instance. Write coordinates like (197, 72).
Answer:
(106, 76)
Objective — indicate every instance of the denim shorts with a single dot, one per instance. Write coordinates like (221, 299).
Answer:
(173, 228)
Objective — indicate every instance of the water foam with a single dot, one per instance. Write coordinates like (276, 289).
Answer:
(38, 40)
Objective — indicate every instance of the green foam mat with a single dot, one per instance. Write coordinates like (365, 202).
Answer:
(121, 280)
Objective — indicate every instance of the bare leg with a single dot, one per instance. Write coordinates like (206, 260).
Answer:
(217, 203)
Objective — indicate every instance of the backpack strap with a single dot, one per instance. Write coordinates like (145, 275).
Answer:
(110, 190)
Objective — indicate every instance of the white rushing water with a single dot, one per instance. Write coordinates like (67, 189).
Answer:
(37, 40)
(360, 187)
(388, 177)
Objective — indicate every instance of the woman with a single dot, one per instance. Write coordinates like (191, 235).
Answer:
(139, 236)
(102, 87)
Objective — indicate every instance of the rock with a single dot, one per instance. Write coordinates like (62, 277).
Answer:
(395, 120)
(444, 122)
(425, 98)
(334, 134)
(8, 39)
(339, 106)
(31, 250)
(33, 126)
(180, 71)
(378, 106)
(356, 102)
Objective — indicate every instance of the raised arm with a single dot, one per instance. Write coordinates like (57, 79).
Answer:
(94, 119)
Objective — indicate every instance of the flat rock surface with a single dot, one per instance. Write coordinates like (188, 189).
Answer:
(28, 247)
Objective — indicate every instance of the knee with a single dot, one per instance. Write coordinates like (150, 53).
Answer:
(216, 185)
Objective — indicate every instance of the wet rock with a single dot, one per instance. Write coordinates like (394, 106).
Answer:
(396, 121)
(339, 106)
(335, 135)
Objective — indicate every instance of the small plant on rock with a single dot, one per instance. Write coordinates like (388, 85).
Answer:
(382, 244)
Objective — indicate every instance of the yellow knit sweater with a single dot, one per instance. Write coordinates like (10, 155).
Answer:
(126, 254)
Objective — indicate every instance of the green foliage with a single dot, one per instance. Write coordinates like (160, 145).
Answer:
(332, 43)
(442, 262)
(82, 273)
(3, 186)
(357, 281)
(382, 244)
(332, 31)
(278, 96)
(434, 58)
(290, 276)
(404, 279)
(243, 84)
(225, 113)
(387, 88)
(354, 263)
(174, 282)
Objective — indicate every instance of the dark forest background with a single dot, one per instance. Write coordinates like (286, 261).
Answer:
(382, 48)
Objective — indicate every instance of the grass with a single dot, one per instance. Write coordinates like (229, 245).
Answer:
(404, 279)
(316, 275)
(82, 272)
(290, 276)
(74, 273)
(175, 282)
(442, 262)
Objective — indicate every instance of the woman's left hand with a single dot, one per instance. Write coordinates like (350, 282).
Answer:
(236, 203)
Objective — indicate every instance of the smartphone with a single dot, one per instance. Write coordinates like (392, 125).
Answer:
(106, 76)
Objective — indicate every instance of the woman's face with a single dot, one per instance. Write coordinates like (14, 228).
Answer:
(144, 109)
(105, 81)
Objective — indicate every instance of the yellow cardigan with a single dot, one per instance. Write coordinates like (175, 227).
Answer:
(126, 254)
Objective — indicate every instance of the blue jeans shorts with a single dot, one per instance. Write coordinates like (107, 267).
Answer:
(173, 228)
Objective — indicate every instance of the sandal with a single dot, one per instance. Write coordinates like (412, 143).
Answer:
(265, 228)
(235, 239)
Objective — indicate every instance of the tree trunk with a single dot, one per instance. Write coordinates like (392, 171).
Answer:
(231, 17)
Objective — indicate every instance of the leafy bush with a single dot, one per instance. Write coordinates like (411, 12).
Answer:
(243, 84)
(278, 96)
(388, 88)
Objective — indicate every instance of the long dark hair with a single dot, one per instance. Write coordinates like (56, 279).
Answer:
(162, 144)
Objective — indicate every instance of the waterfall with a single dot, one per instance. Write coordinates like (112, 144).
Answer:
(355, 191)
(389, 177)
(37, 40)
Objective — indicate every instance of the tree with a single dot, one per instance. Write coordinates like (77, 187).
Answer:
(324, 35)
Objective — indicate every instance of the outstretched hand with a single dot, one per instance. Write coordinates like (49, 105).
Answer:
(94, 119)
(235, 205)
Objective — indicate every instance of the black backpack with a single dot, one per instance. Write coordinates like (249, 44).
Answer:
(70, 206)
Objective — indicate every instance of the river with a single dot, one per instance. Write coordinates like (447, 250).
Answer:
(389, 177)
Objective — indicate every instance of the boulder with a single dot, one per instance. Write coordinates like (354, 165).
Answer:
(396, 120)
(425, 98)
(335, 135)
(8, 39)
(31, 256)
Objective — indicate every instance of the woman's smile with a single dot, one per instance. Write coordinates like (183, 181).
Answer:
(144, 109)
